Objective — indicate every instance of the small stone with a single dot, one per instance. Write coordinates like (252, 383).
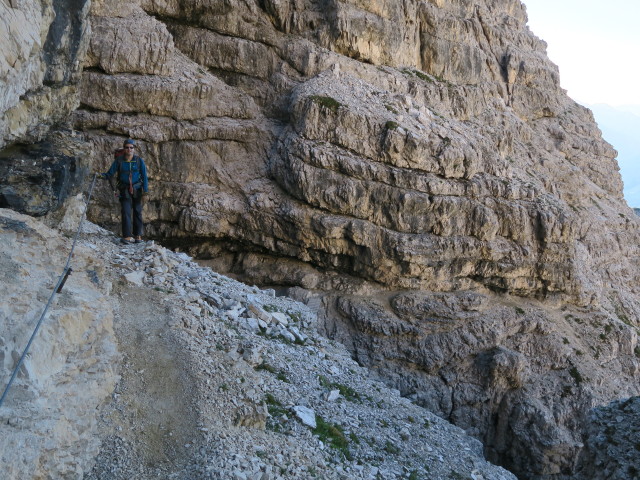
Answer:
(252, 355)
(299, 336)
(333, 395)
(193, 296)
(259, 312)
(136, 277)
(287, 335)
(238, 475)
(253, 324)
(281, 318)
(306, 415)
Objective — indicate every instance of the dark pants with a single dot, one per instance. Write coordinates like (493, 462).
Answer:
(131, 204)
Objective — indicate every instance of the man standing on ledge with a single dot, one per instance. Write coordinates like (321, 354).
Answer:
(132, 184)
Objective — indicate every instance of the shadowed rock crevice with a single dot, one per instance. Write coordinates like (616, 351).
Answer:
(65, 45)
(38, 178)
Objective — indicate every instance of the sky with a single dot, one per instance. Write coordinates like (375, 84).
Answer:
(596, 45)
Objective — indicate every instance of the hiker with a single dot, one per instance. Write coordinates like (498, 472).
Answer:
(131, 183)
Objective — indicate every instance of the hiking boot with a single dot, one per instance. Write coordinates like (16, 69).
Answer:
(138, 240)
(127, 240)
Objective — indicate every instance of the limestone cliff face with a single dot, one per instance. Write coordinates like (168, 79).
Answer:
(412, 168)
(43, 46)
(611, 442)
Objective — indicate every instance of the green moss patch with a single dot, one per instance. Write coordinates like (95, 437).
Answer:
(327, 102)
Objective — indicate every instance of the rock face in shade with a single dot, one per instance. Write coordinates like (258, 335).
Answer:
(43, 46)
(39, 177)
(412, 169)
(612, 442)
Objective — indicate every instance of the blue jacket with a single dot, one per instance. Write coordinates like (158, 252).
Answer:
(138, 172)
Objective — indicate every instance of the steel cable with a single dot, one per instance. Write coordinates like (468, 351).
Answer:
(63, 277)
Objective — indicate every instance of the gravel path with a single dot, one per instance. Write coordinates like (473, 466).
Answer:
(221, 380)
(151, 422)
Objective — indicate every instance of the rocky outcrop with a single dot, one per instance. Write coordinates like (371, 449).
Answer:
(421, 167)
(515, 374)
(48, 418)
(612, 446)
(411, 168)
(39, 177)
(44, 43)
(43, 46)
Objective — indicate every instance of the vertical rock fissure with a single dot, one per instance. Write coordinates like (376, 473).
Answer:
(63, 46)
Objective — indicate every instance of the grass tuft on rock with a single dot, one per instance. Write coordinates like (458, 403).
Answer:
(327, 102)
(575, 374)
(332, 435)
(346, 391)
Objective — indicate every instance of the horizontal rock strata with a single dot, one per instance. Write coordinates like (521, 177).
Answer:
(375, 151)
(383, 162)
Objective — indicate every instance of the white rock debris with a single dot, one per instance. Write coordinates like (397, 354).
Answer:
(263, 395)
(221, 380)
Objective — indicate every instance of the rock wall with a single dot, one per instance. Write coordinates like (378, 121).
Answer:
(38, 177)
(44, 42)
(416, 162)
(411, 168)
(612, 442)
(48, 418)
(42, 162)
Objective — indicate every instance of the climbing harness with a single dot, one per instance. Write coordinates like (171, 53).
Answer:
(57, 289)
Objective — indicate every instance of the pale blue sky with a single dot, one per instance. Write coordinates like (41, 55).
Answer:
(596, 45)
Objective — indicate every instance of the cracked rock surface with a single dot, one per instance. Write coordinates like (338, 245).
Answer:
(412, 170)
(215, 380)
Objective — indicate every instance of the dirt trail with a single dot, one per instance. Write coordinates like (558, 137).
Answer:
(150, 426)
